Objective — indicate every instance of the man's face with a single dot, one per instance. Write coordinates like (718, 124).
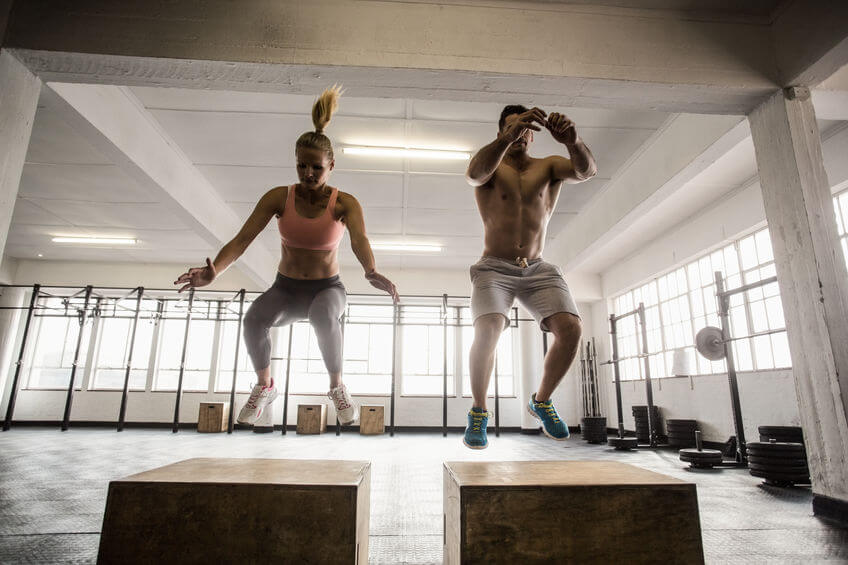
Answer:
(521, 144)
(313, 167)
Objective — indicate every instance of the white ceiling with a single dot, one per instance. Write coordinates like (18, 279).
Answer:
(243, 144)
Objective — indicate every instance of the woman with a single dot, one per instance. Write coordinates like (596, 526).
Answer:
(311, 216)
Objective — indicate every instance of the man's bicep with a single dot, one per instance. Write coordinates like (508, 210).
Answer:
(562, 169)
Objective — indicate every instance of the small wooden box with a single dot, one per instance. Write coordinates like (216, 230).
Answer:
(311, 418)
(213, 416)
(372, 419)
(601, 512)
(195, 511)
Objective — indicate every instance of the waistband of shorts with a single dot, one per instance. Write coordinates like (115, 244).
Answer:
(511, 262)
(283, 280)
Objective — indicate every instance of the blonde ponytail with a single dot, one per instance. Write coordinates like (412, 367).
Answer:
(322, 111)
(325, 107)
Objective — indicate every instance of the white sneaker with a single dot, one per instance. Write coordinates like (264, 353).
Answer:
(346, 409)
(260, 397)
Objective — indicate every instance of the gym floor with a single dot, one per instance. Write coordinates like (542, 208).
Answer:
(53, 490)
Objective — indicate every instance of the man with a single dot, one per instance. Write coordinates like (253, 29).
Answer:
(516, 194)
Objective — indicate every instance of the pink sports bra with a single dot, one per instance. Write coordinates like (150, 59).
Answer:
(322, 233)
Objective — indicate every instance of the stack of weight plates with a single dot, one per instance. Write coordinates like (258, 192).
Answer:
(783, 434)
(681, 433)
(640, 415)
(594, 429)
(779, 463)
(702, 459)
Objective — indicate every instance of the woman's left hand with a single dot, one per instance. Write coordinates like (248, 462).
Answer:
(379, 281)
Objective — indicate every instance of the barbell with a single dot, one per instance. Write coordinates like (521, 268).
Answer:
(710, 344)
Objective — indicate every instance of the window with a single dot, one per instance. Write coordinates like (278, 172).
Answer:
(368, 349)
(504, 361)
(198, 360)
(307, 372)
(840, 205)
(424, 357)
(687, 302)
(56, 340)
(230, 339)
(115, 331)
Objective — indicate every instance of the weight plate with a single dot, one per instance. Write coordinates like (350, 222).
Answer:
(776, 449)
(800, 470)
(779, 430)
(770, 460)
(800, 478)
(678, 421)
(709, 343)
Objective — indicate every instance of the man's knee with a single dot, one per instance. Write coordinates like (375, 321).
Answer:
(565, 326)
(488, 328)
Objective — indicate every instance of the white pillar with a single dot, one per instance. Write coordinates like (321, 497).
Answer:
(530, 346)
(812, 278)
(19, 90)
(9, 324)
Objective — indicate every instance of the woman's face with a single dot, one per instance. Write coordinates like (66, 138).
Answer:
(313, 167)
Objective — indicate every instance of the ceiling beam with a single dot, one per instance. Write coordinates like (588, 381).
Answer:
(582, 55)
(115, 122)
(683, 147)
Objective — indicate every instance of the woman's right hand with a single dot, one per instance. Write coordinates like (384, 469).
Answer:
(197, 276)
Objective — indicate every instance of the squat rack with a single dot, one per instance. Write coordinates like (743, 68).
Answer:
(90, 304)
(639, 312)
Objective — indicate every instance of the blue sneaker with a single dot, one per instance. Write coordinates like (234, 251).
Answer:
(552, 424)
(475, 433)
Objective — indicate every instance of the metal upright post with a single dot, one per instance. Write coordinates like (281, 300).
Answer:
(13, 394)
(286, 388)
(123, 411)
(339, 424)
(230, 422)
(176, 426)
(497, 400)
(649, 391)
(70, 397)
(445, 365)
(395, 324)
(617, 374)
(723, 307)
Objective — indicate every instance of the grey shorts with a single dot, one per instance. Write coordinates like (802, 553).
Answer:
(539, 287)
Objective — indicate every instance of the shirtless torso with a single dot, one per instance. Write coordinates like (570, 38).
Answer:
(516, 194)
(516, 205)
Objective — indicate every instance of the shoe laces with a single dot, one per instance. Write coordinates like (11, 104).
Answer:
(477, 419)
(255, 395)
(549, 409)
(339, 397)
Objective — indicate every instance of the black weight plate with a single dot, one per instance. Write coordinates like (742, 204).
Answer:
(679, 421)
(783, 449)
(800, 470)
(786, 430)
(780, 476)
(777, 461)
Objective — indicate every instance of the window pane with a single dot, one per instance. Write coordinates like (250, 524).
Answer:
(54, 349)
(748, 252)
(764, 254)
(780, 347)
(114, 349)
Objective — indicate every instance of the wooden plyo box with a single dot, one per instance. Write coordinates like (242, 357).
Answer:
(213, 416)
(311, 418)
(240, 511)
(372, 419)
(568, 512)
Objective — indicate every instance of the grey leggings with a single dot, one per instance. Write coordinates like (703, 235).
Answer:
(321, 301)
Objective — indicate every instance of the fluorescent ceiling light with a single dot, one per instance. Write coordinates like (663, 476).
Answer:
(422, 247)
(100, 240)
(406, 152)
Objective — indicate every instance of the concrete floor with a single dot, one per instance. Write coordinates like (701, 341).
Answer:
(53, 490)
